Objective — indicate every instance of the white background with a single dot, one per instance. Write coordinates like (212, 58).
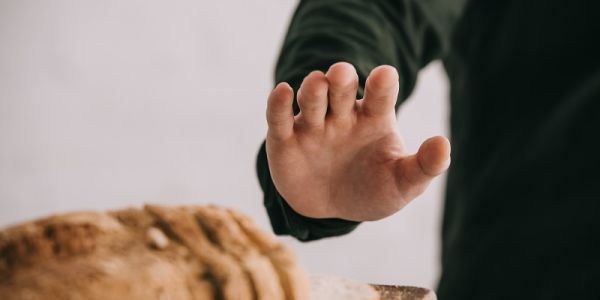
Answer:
(108, 104)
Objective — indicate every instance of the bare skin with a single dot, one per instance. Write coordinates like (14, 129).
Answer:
(344, 158)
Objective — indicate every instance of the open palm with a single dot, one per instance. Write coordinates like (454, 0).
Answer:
(341, 157)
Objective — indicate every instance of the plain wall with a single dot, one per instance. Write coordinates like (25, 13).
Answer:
(109, 104)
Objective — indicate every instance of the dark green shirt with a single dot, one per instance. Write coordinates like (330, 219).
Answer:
(522, 210)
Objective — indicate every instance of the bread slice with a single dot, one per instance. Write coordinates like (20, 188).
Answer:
(225, 232)
(326, 287)
(292, 278)
(231, 281)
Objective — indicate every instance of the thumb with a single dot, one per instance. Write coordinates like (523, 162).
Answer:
(434, 156)
(416, 171)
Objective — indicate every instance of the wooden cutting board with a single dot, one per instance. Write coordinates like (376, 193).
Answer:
(398, 292)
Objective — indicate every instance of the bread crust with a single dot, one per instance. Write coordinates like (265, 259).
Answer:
(159, 252)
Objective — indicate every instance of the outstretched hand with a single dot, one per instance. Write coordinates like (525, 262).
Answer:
(344, 158)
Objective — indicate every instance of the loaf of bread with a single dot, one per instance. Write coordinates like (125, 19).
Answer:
(193, 252)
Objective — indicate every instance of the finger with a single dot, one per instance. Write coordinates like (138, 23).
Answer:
(280, 116)
(343, 84)
(312, 99)
(381, 91)
(415, 172)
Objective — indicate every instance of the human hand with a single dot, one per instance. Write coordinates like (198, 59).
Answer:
(344, 158)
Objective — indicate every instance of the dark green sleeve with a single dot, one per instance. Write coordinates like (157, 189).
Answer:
(366, 33)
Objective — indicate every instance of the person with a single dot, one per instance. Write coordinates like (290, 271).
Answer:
(521, 216)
